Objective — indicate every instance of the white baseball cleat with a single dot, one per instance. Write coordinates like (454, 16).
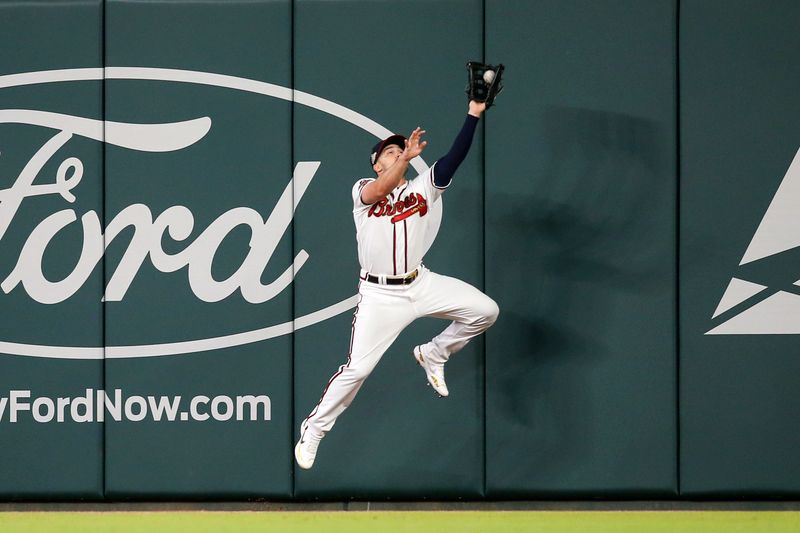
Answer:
(433, 371)
(305, 451)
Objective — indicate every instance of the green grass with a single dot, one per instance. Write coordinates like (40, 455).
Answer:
(439, 522)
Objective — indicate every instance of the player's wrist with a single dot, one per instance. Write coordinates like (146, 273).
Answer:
(476, 109)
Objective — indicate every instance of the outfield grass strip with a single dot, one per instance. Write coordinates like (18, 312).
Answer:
(410, 522)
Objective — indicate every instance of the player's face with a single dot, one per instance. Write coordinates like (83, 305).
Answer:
(389, 155)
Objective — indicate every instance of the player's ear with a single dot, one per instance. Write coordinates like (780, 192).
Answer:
(377, 168)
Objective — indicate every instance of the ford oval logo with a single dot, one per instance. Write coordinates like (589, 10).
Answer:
(176, 222)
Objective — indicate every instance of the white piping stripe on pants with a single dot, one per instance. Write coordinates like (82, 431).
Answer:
(383, 312)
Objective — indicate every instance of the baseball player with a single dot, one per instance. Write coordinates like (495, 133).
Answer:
(391, 218)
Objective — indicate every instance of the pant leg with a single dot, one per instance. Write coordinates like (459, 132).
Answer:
(379, 318)
(471, 311)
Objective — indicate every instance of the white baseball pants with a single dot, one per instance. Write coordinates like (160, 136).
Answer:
(382, 313)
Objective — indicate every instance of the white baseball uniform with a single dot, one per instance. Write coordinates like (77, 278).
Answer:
(390, 235)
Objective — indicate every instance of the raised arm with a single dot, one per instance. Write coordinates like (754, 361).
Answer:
(447, 165)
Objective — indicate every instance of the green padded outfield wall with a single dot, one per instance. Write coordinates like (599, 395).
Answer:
(740, 231)
(580, 250)
(56, 307)
(627, 204)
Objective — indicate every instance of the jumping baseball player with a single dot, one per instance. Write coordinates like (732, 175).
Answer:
(391, 218)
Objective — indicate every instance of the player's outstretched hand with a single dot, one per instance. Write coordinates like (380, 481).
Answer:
(413, 145)
(476, 108)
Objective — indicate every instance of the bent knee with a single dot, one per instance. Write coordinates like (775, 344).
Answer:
(494, 311)
(489, 311)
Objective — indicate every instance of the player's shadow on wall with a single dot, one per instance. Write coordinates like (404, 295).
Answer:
(603, 196)
(589, 243)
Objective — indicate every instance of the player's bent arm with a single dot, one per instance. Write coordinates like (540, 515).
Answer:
(378, 189)
(390, 178)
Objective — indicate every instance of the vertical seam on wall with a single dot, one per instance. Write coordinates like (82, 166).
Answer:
(677, 246)
(294, 274)
(103, 201)
(483, 241)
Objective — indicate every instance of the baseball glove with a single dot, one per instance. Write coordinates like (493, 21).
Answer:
(485, 82)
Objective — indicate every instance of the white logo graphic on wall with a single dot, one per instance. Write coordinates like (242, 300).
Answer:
(775, 311)
(199, 244)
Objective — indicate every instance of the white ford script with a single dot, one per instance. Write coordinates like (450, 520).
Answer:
(177, 221)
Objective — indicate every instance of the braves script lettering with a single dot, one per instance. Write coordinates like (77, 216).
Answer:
(176, 221)
(401, 209)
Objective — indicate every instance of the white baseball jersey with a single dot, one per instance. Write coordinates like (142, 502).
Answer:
(391, 232)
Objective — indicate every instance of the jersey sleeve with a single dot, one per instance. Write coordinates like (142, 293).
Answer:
(432, 191)
(357, 188)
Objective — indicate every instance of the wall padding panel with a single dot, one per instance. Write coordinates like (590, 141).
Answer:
(400, 65)
(580, 250)
(53, 307)
(740, 309)
(230, 178)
